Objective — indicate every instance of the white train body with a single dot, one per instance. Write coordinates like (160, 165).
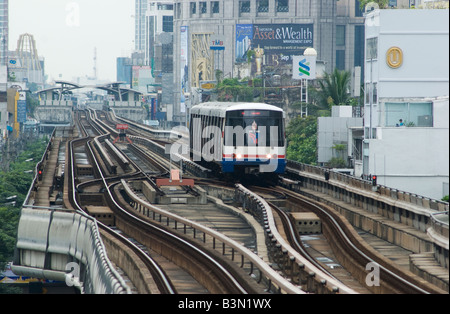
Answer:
(246, 137)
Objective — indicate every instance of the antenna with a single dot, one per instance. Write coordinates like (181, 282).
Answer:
(95, 63)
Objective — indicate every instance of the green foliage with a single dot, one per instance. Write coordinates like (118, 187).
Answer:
(231, 89)
(9, 218)
(301, 136)
(333, 89)
(445, 198)
(381, 3)
(337, 162)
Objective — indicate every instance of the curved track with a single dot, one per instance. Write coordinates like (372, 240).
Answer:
(222, 279)
(350, 247)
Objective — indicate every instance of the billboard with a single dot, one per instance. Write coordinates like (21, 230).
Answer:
(279, 41)
(184, 66)
(142, 76)
(22, 107)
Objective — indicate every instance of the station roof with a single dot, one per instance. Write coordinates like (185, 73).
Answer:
(113, 87)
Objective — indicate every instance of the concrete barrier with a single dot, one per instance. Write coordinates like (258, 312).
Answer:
(65, 246)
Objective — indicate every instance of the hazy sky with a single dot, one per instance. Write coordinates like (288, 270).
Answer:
(68, 31)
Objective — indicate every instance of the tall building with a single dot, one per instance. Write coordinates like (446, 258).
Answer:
(4, 26)
(159, 20)
(139, 33)
(3, 68)
(159, 51)
(281, 28)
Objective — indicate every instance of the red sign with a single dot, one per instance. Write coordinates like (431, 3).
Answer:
(122, 126)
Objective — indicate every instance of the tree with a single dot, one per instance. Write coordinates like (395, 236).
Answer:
(381, 3)
(301, 137)
(334, 89)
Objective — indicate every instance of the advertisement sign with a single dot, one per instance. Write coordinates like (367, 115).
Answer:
(22, 108)
(154, 108)
(217, 42)
(304, 67)
(279, 41)
(244, 34)
(142, 76)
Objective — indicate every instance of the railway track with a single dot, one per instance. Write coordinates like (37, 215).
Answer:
(290, 256)
(350, 248)
(221, 278)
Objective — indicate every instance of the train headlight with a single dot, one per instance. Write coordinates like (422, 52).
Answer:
(238, 156)
(269, 156)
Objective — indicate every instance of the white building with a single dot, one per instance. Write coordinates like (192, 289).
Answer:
(407, 66)
(333, 134)
(159, 19)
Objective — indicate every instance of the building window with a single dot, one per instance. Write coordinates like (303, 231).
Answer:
(340, 59)
(202, 7)
(358, 11)
(375, 93)
(359, 47)
(244, 6)
(168, 24)
(282, 5)
(263, 6)
(340, 35)
(215, 6)
(372, 48)
(193, 8)
(411, 114)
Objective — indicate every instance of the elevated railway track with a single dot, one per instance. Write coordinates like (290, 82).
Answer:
(105, 177)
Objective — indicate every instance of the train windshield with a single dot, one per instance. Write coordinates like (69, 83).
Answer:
(254, 128)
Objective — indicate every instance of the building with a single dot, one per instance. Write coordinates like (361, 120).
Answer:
(333, 136)
(406, 124)
(139, 34)
(159, 55)
(212, 36)
(25, 65)
(159, 20)
(4, 26)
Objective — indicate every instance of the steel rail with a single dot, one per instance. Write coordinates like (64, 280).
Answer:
(232, 281)
(338, 227)
(331, 282)
(271, 274)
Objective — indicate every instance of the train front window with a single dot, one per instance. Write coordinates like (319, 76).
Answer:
(254, 128)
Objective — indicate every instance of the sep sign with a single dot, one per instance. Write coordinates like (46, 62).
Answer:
(122, 126)
(304, 67)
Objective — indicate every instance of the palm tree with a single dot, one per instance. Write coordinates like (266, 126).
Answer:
(334, 88)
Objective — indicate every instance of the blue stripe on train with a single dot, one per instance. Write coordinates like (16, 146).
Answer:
(277, 166)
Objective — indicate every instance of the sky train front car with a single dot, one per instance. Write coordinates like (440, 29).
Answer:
(244, 138)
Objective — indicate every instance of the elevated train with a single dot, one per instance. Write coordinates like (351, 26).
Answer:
(244, 138)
